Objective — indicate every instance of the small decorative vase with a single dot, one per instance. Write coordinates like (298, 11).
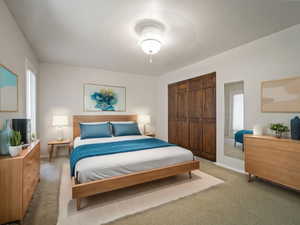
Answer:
(15, 150)
(295, 128)
(4, 138)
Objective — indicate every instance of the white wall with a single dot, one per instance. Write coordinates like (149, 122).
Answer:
(61, 92)
(273, 57)
(15, 53)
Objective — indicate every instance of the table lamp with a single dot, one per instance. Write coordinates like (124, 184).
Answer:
(60, 122)
(144, 120)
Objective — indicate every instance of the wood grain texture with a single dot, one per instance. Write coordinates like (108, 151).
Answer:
(274, 159)
(10, 190)
(192, 115)
(172, 113)
(209, 140)
(53, 144)
(18, 179)
(195, 136)
(77, 119)
(31, 174)
(63, 142)
(113, 183)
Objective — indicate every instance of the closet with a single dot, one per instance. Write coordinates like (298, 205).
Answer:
(192, 115)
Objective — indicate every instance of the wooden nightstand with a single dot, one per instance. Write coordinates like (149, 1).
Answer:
(52, 144)
(150, 135)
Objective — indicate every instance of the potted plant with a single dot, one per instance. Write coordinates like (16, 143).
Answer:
(15, 146)
(279, 129)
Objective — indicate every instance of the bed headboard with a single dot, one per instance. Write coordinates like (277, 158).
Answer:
(77, 119)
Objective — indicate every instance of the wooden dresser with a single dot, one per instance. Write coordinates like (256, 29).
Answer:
(274, 159)
(19, 177)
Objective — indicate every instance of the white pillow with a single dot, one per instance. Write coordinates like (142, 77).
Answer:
(122, 121)
(93, 123)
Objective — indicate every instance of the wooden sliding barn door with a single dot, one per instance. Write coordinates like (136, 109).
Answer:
(192, 115)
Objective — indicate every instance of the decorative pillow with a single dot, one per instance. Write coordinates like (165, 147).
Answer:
(122, 122)
(97, 130)
(93, 123)
(124, 129)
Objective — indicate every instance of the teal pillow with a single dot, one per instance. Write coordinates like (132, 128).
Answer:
(95, 130)
(125, 129)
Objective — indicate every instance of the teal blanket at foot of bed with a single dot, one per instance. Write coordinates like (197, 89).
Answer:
(90, 150)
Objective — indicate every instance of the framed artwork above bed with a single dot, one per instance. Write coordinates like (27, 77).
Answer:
(99, 98)
(281, 96)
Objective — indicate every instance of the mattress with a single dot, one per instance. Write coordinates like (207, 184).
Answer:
(105, 166)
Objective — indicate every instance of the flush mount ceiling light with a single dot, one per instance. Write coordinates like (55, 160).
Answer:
(150, 46)
(151, 39)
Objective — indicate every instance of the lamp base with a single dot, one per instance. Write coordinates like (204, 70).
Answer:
(60, 134)
(60, 139)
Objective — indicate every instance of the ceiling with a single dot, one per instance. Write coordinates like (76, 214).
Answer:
(101, 33)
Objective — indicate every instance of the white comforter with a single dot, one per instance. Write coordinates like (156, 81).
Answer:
(105, 166)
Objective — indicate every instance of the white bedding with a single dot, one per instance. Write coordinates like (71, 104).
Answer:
(105, 166)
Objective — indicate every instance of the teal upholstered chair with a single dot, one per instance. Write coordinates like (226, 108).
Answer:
(239, 136)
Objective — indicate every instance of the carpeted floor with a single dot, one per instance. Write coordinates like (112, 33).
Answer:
(231, 151)
(236, 202)
(108, 207)
(43, 208)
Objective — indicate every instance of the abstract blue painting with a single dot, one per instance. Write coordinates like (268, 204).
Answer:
(104, 98)
(8, 90)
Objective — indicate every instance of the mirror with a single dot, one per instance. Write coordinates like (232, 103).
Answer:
(8, 90)
(234, 120)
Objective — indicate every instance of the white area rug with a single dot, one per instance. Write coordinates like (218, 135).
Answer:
(107, 207)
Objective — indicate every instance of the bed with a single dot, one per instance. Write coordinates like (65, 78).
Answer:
(103, 173)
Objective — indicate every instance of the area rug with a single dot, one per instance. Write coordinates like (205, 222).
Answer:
(107, 207)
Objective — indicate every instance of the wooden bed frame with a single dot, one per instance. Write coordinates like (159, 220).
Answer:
(83, 190)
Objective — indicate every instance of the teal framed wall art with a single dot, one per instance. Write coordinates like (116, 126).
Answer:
(8, 90)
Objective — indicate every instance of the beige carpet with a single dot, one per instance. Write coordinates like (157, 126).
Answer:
(104, 208)
(235, 202)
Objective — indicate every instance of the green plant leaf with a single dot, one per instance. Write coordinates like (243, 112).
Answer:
(15, 138)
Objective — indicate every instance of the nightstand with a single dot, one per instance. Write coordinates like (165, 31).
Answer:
(150, 135)
(53, 144)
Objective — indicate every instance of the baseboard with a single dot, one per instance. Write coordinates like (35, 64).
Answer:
(231, 168)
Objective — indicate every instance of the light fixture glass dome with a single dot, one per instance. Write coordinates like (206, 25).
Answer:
(150, 46)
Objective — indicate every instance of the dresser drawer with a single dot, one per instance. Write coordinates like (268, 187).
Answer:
(31, 173)
(277, 160)
(10, 190)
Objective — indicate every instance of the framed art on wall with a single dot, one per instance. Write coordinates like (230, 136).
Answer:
(98, 98)
(281, 95)
(8, 90)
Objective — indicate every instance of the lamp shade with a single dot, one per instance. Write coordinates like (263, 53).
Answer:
(144, 119)
(60, 121)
